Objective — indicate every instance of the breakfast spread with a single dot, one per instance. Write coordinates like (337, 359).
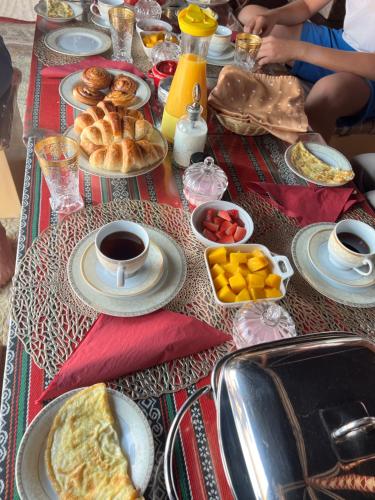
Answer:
(59, 9)
(315, 169)
(243, 276)
(118, 140)
(83, 456)
(223, 226)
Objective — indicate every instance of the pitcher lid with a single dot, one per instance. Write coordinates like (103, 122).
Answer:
(196, 22)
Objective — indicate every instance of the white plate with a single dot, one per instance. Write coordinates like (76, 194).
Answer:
(77, 41)
(104, 282)
(67, 84)
(100, 21)
(325, 153)
(85, 166)
(135, 439)
(319, 256)
(363, 297)
(174, 274)
(223, 59)
(212, 3)
(41, 11)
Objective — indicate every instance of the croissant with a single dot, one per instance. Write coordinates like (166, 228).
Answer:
(102, 109)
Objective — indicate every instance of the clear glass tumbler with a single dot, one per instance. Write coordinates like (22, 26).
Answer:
(58, 159)
(246, 51)
(121, 20)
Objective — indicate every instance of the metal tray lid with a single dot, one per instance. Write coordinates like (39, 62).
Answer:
(296, 418)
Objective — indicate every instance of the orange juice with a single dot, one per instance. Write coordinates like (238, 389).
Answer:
(191, 69)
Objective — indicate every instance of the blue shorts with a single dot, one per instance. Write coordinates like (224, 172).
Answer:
(326, 37)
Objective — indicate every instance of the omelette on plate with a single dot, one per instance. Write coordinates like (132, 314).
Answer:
(83, 457)
(314, 168)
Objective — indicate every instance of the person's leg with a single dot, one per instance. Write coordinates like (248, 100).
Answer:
(288, 32)
(333, 97)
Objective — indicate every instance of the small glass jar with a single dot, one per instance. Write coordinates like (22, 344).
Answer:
(204, 181)
(147, 9)
(168, 50)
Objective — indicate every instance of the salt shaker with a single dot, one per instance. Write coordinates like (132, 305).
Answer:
(191, 132)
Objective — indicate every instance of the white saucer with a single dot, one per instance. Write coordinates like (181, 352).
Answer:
(221, 59)
(347, 295)
(77, 41)
(318, 253)
(168, 286)
(104, 282)
(100, 21)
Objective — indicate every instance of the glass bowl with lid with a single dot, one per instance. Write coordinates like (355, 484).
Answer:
(204, 181)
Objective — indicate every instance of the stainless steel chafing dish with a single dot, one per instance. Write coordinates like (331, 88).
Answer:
(295, 418)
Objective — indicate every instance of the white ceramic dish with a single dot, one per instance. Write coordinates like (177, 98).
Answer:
(166, 288)
(148, 26)
(325, 153)
(197, 218)
(275, 261)
(220, 40)
(223, 59)
(349, 296)
(319, 256)
(85, 166)
(67, 84)
(135, 438)
(77, 41)
(100, 21)
(209, 3)
(40, 9)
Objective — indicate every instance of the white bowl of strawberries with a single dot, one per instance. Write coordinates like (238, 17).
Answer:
(217, 223)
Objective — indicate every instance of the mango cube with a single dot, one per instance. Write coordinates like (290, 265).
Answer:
(257, 293)
(238, 258)
(237, 283)
(220, 281)
(225, 294)
(257, 263)
(230, 268)
(272, 293)
(273, 281)
(255, 281)
(217, 256)
(257, 253)
(263, 272)
(243, 269)
(216, 270)
(243, 295)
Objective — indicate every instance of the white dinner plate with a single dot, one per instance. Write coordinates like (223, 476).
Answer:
(349, 296)
(40, 9)
(67, 84)
(77, 41)
(85, 166)
(325, 153)
(135, 438)
(170, 283)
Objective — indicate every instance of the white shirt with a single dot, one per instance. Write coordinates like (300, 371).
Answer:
(359, 25)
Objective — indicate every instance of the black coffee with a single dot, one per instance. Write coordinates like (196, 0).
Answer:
(353, 242)
(122, 245)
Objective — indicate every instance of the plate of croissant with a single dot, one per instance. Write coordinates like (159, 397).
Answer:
(86, 88)
(117, 142)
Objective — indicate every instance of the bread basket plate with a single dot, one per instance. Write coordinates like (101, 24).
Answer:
(135, 438)
(79, 42)
(41, 10)
(67, 85)
(85, 166)
(325, 153)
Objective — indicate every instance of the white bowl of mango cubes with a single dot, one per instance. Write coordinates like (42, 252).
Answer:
(243, 273)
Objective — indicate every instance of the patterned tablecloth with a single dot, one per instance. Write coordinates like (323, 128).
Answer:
(198, 467)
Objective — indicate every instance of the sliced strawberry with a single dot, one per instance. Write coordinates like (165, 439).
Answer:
(231, 229)
(210, 214)
(233, 213)
(217, 220)
(239, 234)
(239, 222)
(220, 234)
(225, 225)
(224, 215)
(210, 236)
(226, 239)
(211, 226)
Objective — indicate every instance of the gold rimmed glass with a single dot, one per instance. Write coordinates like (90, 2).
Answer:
(247, 48)
(58, 159)
(122, 22)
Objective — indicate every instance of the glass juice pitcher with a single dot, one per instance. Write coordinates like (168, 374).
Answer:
(197, 27)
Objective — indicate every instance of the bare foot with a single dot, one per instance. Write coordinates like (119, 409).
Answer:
(7, 258)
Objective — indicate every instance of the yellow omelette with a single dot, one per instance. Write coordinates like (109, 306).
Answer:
(83, 457)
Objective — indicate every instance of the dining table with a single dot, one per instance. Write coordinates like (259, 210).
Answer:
(199, 472)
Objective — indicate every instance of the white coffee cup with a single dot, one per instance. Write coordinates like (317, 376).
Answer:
(220, 40)
(102, 7)
(345, 258)
(125, 267)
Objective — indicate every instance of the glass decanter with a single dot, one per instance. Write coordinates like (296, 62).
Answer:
(168, 50)
(204, 181)
(147, 9)
(259, 322)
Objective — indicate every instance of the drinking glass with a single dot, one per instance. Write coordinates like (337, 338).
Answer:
(58, 159)
(246, 51)
(121, 20)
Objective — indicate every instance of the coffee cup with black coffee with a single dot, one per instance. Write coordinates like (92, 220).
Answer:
(351, 245)
(121, 248)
